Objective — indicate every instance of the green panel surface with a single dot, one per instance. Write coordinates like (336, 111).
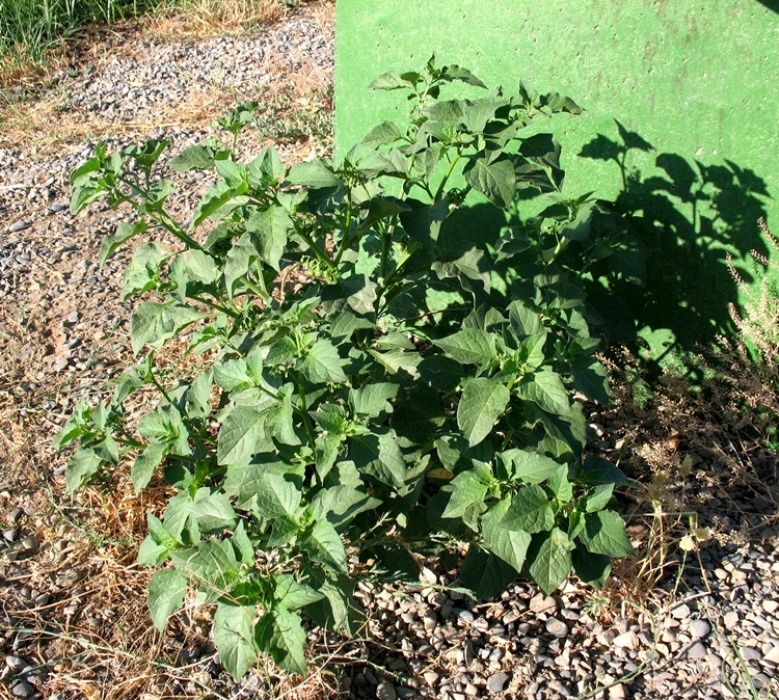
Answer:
(681, 121)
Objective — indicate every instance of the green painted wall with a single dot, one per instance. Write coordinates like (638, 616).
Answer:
(693, 84)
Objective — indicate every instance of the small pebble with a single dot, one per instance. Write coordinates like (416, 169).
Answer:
(496, 682)
(699, 629)
(557, 628)
(22, 689)
(15, 228)
(386, 691)
(697, 651)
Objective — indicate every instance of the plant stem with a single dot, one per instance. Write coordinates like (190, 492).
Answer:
(448, 174)
(217, 307)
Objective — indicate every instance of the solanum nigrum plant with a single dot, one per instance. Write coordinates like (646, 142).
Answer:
(397, 358)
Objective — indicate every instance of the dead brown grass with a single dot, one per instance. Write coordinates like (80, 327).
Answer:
(40, 118)
(201, 19)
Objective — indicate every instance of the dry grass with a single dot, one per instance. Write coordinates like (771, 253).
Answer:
(201, 19)
(296, 104)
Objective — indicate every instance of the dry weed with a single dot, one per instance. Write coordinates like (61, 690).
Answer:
(202, 19)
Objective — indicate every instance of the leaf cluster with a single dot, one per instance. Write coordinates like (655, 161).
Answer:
(392, 376)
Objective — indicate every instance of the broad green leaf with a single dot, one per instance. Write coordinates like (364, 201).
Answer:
(331, 417)
(479, 112)
(212, 567)
(423, 222)
(243, 544)
(323, 364)
(546, 390)
(396, 361)
(340, 504)
(589, 377)
(327, 448)
(199, 395)
(467, 489)
(604, 533)
(371, 400)
(598, 497)
(323, 544)
(551, 563)
(269, 230)
(528, 467)
(282, 351)
(495, 180)
(276, 496)
(530, 511)
(485, 574)
(531, 351)
(395, 81)
(89, 190)
(315, 174)
(76, 425)
(177, 514)
(233, 634)
(460, 74)
(242, 258)
(483, 401)
(510, 545)
(593, 569)
(347, 323)
(524, 321)
(201, 267)
(242, 435)
(84, 464)
(338, 610)
(560, 486)
(291, 594)
(145, 464)
(383, 135)
(281, 633)
(266, 168)
(198, 157)
(150, 553)
(167, 589)
(420, 413)
(142, 273)
(235, 376)
(596, 471)
(381, 208)
(213, 200)
(284, 531)
(379, 455)
(234, 174)
(245, 481)
(154, 324)
(281, 424)
(446, 110)
(160, 534)
(212, 510)
(544, 150)
(470, 346)
(124, 232)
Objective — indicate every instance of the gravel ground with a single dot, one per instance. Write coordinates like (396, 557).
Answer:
(700, 620)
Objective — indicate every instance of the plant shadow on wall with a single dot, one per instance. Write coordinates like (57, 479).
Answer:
(688, 216)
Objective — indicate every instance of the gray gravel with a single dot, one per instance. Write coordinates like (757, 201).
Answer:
(715, 633)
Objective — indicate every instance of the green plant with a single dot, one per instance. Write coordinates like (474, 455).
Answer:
(395, 350)
(31, 26)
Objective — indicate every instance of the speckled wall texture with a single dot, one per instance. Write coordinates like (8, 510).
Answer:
(693, 84)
